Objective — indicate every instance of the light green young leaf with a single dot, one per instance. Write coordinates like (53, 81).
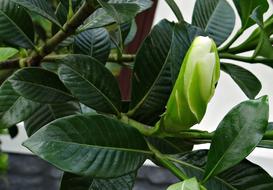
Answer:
(189, 184)
(6, 53)
(194, 86)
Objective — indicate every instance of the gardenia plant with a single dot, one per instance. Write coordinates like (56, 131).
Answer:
(59, 61)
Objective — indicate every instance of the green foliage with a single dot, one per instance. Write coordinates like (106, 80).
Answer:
(59, 63)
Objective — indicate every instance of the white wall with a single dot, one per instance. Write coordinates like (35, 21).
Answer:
(228, 94)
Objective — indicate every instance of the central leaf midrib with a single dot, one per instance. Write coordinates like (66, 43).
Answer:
(98, 90)
(18, 28)
(102, 147)
(141, 102)
(43, 86)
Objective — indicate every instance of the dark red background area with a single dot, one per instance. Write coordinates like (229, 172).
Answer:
(144, 23)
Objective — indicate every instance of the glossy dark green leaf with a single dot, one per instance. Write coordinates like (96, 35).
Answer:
(264, 47)
(245, 8)
(13, 107)
(91, 83)
(216, 17)
(237, 135)
(171, 145)
(247, 81)
(120, 12)
(16, 26)
(156, 67)
(45, 113)
(125, 11)
(243, 176)
(40, 85)
(151, 81)
(40, 7)
(175, 10)
(95, 43)
(75, 182)
(61, 15)
(188, 184)
(92, 145)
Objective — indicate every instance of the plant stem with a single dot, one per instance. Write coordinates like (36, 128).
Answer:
(124, 58)
(246, 59)
(69, 29)
(245, 48)
(237, 35)
(162, 159)
(142, 128)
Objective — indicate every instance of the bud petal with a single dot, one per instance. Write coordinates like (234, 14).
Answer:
(194, 86)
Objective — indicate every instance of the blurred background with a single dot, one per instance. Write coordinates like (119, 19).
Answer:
(227, 95)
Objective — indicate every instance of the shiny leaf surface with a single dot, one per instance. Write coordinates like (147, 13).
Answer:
(247, 81)
(115, 149)
(247, 123)
(216, 17)
(91, 83)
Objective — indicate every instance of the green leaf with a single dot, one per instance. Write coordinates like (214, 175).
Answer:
(40, 85)
(171, 145)
(157, 66)
(95, 43)
(120, 12)
(75, 182)
(247, 123)
(45, 113)
(6, 53)
(251, 42)
(16, 27)
(92, 145)
(245, 8)
(13, 107)
(175, 10)
(247, 81)
(216, 17)
(40, 7)
(151, 80)
(125, 11)
(61, 15)
(189, 184)
(264, 47)
(91, 83)
(243, 176)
